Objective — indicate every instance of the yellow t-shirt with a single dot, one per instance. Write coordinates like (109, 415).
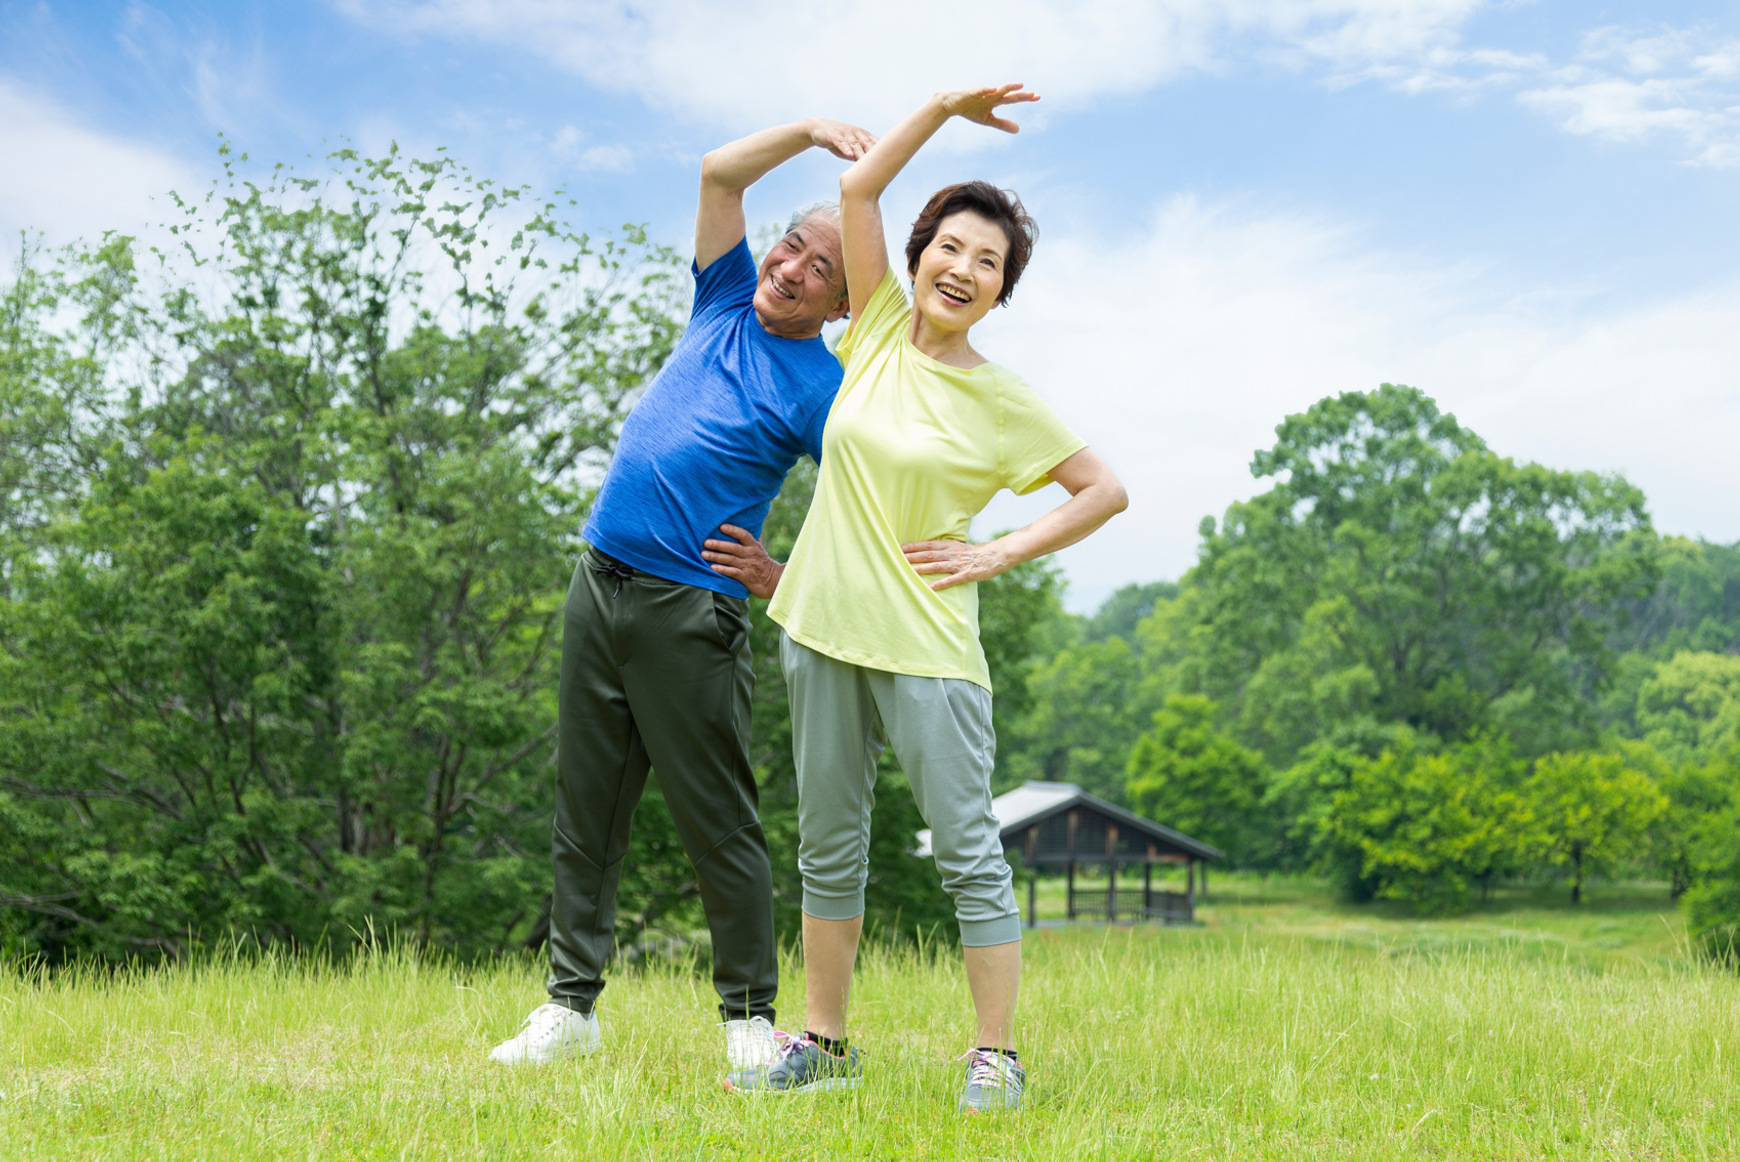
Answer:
(913, 450)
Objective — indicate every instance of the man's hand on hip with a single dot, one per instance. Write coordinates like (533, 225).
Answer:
(743, 560)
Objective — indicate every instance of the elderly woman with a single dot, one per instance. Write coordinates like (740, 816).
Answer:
(878, 602)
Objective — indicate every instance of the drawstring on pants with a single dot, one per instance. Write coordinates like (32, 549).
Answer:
(610, 567)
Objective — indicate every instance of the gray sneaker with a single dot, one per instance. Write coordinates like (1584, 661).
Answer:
(801, 1066)
(994, 1082)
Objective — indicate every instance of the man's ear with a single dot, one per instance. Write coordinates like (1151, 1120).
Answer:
(841, 309)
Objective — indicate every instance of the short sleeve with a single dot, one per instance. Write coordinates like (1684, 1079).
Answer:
(812, 433)
(884, 317)
(727, 284)
(1034, 440)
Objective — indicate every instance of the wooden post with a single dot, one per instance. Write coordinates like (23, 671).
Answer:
(1190, 880)
(1205, 880)
(1111, 872)
(1069, 907)
(1032, 899)
(1147, 889)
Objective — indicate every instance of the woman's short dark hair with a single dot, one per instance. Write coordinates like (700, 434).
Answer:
(989, 203)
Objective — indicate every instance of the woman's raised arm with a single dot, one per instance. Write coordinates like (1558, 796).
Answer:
(861, 186)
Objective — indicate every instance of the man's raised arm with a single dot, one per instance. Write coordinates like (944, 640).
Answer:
(731, 169)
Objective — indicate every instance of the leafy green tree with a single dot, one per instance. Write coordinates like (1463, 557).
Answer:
(1712, 898)
(1401, 572)
(1696, 606)
(1597, 810)
(1124, 610)
(1189, 776)
(1700, 798)
(1690, 705)
(279, 640)
(1087, 712)
(1299, 803)
(1427, 827)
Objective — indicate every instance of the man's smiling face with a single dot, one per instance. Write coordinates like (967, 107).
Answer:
(803, 281)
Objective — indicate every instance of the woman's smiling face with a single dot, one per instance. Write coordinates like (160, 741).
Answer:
(960, 274)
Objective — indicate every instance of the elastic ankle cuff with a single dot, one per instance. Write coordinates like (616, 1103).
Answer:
(844, 907)
(726, 1014)
(984, 933)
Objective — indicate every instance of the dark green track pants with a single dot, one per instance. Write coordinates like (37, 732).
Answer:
(657, 674)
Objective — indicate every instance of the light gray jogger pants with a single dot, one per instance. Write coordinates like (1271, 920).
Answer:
(842, 715)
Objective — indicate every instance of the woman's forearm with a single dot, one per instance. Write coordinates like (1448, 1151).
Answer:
(873, 172)
(1095, 497)
(1074, 520)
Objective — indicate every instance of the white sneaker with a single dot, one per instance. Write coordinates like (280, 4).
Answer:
(751, 1044)
(551, 1033)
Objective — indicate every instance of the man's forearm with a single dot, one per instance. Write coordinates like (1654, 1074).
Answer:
(739, 165)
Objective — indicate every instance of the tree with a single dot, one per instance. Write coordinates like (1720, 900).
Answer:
(1695, 607)
(1690, 705)
(1596, 810)
(1712, 898)
(1401, 572)
(1185, 774)
(1428, 826)
(278, 657)
(1086, 714)
(1124, 610)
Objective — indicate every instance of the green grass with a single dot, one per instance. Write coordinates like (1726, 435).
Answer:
(1286, 1027)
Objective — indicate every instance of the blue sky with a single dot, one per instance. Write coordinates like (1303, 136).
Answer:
(1526, 209)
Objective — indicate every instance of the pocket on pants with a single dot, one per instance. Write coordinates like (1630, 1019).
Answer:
(731, 617)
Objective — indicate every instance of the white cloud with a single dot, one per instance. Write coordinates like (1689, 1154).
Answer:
(1245, 318)
(67, 180)
(757, 61)
(1628, 86)
(567, 145)
(760, 61)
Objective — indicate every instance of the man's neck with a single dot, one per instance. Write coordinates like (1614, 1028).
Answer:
(779, 334)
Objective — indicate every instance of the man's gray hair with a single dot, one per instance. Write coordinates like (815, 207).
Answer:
(828, 210)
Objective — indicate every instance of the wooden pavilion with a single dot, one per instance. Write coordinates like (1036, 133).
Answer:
(1053, 824)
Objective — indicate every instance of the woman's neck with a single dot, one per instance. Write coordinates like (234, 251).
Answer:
(944, 345)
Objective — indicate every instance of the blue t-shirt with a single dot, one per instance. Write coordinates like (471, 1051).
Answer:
(712, 439)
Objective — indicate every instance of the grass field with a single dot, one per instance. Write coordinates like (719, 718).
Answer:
(1285, 1027)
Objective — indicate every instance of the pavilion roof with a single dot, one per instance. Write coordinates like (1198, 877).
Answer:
(1036, 801)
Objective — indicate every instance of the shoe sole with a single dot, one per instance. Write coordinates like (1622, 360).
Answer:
(530, 1060)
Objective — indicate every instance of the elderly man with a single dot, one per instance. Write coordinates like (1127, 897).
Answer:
(655, 643)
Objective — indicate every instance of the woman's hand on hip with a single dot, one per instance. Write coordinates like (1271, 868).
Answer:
(959, 561)
(743, 560)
